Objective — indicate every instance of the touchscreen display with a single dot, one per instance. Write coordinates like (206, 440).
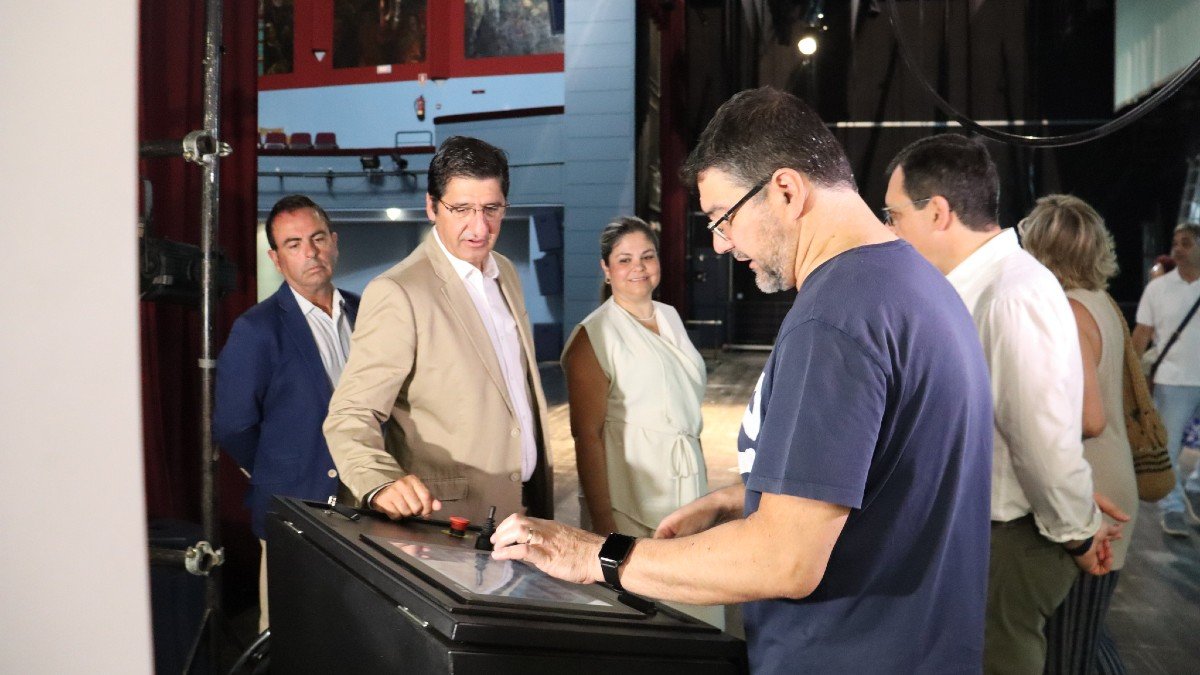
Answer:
(476, 573)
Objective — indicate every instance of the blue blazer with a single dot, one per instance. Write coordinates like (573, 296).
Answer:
(272, 395)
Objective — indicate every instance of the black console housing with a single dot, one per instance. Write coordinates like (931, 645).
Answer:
(342, 603)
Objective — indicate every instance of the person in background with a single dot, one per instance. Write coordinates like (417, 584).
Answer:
(1162, 265)
(635, 385)
(1066, 235)
(1164, 305)
(279, 367)
(1191, 437)
(943, 197)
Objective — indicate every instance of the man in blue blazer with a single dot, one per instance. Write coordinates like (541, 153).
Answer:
(277, 371)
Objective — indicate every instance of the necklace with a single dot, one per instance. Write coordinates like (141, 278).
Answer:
(648, 319)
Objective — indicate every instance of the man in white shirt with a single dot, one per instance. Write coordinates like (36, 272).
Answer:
(440, 406)
(279, 366)
(943, 197)
(1164, 305)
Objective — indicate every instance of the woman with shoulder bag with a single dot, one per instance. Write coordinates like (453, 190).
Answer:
(1067, 236)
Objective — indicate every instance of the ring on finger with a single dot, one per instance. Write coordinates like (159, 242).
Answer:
(528, 535)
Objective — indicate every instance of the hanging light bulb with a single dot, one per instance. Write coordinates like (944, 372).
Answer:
(810, 41)
(810, 38)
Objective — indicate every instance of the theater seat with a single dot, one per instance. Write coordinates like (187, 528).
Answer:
(325, 140)
(301, 140)
(275, 140)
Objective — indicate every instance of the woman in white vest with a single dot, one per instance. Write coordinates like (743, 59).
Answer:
(635, 385)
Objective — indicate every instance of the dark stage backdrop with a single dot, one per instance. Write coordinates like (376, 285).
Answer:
(993, 60)
(170, 106)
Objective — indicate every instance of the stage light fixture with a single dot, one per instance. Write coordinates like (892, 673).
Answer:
(369, 162)
(807, 45)
(810, 40)
(813, 21)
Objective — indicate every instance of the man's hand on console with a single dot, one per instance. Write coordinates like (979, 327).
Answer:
(408, 496)
(559, 550)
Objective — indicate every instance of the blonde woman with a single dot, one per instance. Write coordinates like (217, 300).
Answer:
(1068, 236)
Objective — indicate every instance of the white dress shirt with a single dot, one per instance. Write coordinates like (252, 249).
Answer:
(1164, 303)
(1032, 349)
(331, 333)
(497, 318)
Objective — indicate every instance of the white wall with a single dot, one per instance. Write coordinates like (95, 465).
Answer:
(73, 574)
(1155, 39)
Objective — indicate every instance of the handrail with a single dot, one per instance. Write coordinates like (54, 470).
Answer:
(348, 152)
(500, 115)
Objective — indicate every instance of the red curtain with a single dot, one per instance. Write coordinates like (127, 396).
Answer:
(171, 105)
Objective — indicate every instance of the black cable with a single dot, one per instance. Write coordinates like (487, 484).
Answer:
(254, 654)
(1138, 112)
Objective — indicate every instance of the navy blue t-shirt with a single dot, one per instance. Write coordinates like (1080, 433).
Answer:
(876, 397)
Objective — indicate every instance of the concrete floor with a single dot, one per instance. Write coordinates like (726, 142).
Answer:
(1155, 614)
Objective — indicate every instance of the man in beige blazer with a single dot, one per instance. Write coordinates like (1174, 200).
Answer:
(440, 406)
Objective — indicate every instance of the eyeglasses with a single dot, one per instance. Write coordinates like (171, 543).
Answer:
(463, 213)
(885, 214)
(715, 226)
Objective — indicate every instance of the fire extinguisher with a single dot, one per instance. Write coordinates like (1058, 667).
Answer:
(419, 106)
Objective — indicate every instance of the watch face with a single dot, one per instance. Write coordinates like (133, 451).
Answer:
(615, 549)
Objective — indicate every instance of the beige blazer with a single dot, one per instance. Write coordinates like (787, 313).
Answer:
(422, 367)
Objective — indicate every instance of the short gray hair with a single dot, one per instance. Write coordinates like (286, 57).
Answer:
(1068, 236)
(1191, 228)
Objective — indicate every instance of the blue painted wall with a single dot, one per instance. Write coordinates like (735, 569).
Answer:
(582, 160)
(369, 115)
(598, 132)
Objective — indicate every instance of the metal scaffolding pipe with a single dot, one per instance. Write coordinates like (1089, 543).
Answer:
(194, 147)
(209, 215)
(171, 148)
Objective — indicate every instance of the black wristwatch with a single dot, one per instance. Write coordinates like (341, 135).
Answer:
(612, 555)
(1083, 547)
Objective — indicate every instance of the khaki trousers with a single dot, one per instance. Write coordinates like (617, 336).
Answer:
(263, 623)
(1028, 578)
